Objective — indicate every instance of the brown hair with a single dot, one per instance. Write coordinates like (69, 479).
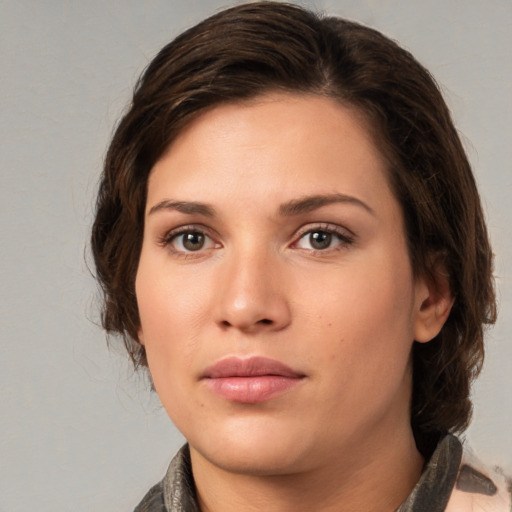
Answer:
(255, 48)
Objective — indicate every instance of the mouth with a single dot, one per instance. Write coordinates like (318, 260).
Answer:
(251, 380)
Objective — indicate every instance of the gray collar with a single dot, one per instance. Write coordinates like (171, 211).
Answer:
(435, 486)
(431, 493)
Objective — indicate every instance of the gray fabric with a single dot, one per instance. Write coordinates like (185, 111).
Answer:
(434, 488)
(153, 501)
(176, 492)
(471, 480)
(178, 484)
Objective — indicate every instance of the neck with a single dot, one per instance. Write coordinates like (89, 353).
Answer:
(371, 475)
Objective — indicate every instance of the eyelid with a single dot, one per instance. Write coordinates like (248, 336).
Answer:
(324, 226)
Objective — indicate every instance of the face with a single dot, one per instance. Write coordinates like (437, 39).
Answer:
(277, 302)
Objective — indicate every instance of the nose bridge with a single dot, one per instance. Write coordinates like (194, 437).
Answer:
(251, 296)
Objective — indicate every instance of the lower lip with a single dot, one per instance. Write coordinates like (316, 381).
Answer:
(251, 390)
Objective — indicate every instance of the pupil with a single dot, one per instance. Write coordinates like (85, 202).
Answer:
(320, 239)
(193, 241)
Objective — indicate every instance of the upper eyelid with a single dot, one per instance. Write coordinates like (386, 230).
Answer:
(169, 234)
(324, 226)
(189, 227)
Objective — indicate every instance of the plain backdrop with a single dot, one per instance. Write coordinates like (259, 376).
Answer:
(78, 431)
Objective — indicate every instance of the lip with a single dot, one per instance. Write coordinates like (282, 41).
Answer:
(250, 380)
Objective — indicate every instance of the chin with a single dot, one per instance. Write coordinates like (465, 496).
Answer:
(255, 460)
(256, 448)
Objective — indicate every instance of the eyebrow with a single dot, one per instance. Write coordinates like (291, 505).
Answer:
(288, 209)
(311, 203)
(189, 207)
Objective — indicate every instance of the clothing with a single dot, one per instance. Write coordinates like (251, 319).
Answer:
(453, 481)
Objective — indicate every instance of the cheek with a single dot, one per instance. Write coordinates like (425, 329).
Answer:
(375, 296)
(169, 359)
(168, 301)
(174, 306)
(165, 321)
(363, 316)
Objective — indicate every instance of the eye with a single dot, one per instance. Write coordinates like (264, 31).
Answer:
(189, 240)
(322, 239)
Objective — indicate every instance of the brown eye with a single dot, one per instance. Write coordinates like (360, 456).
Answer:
(193, 241)
(190, 241)
(320, 239)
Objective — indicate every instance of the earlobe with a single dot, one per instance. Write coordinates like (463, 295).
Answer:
(140, 336)
(434, 301)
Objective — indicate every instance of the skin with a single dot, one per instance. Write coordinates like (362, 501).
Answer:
(344, 316)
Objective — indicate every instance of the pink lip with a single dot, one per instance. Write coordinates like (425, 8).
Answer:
(251, 380)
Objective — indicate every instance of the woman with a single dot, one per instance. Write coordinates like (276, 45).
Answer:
(289, 236)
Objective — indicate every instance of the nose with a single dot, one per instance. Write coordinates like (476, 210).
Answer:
(252, 295)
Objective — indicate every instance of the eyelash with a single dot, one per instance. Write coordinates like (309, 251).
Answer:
(345, 239)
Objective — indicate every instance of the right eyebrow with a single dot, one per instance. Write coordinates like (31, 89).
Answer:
(188, 207)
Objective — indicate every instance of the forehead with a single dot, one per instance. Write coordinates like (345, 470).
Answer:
(298, 144)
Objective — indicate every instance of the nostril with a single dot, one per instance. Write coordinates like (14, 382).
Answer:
(265, 321)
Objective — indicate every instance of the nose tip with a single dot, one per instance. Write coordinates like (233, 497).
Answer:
(252, 299)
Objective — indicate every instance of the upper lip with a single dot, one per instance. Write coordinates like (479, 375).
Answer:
(249, 367)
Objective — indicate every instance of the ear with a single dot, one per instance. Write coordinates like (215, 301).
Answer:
(433, 302)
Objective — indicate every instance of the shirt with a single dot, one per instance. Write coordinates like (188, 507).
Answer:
(453, 481)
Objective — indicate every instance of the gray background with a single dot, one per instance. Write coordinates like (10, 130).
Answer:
(78, 431)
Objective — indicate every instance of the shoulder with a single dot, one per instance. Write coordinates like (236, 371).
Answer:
(479, 488)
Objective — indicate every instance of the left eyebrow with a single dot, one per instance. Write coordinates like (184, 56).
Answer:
(311, 203)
